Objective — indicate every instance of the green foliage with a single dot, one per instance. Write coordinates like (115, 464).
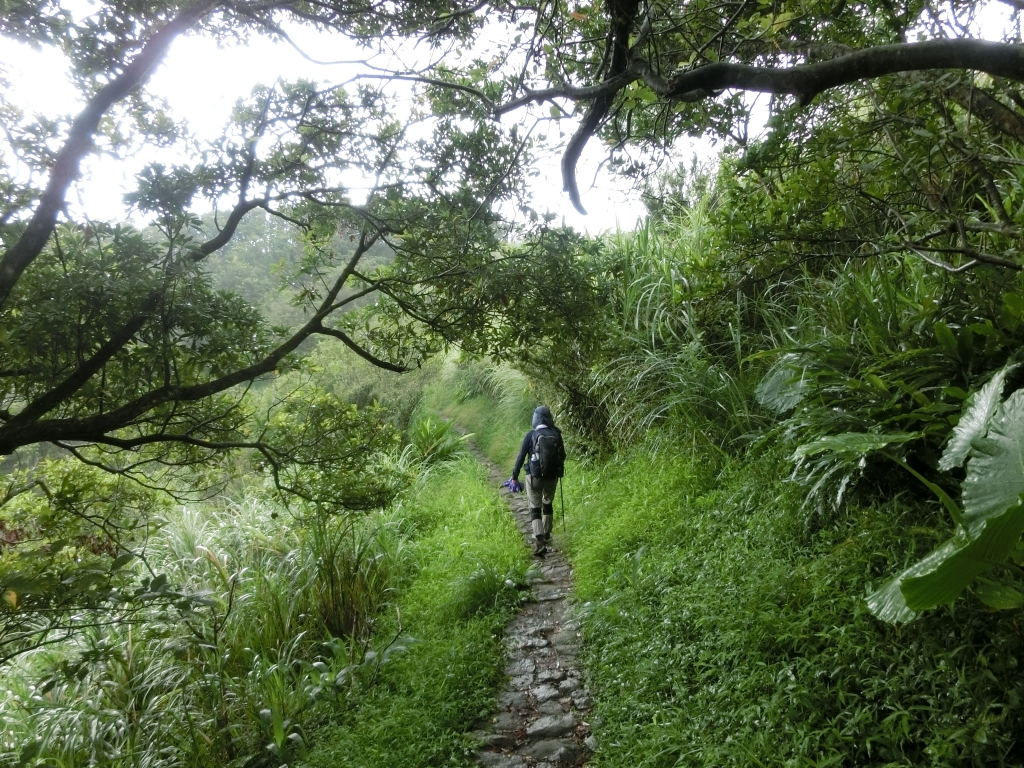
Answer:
(323, 450)
(309, 634)
(723, 628)
(494, 400)
(69, 532)
(467, 549)
(859, 354)
(992, 521)
(436, 441)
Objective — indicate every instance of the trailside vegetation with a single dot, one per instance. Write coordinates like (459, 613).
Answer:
(273, 634)
(724, 570)
(794, 393)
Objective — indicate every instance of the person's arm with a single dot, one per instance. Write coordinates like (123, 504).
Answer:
(524, 449)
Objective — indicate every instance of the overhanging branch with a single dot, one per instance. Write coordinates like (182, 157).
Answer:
(803, 81)
(79, 143)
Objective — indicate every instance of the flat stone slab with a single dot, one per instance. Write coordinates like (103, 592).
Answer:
(551, 725)
(494, 739)
(555, 750)
(521, 667)
(545, 693)
(550, 675)
(505, 722)
(568, 685)
(514, 700)
(529, 642)
(581, 700)
(540, 628)
(565, 637)
(500, 760)
(547, 592)
(552, 707)
(522, 683)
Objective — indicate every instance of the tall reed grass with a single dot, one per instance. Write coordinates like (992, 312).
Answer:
(195, 687)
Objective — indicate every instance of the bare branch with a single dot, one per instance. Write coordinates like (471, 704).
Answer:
(347, 341)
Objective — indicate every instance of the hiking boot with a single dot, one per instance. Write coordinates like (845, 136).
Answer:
(540, 548)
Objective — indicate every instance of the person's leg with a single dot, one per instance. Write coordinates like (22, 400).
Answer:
(547, 507)
(535, 498)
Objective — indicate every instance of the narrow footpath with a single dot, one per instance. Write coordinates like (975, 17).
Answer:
(542, 716)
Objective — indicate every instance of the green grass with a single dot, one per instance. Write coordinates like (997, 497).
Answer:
(726, 626)
(495, 403)
(365, 641)
(453, 613)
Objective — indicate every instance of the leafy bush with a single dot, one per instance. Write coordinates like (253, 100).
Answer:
(436, 440)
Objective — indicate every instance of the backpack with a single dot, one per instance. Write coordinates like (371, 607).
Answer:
(548, 459)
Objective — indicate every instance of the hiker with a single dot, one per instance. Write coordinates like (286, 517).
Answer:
(546, 451)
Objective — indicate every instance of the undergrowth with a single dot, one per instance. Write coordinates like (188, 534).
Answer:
(360, 641)
(471, 565)
(725, 625)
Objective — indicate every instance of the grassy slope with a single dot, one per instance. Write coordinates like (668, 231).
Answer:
(497, 434)
(455, 608)
(725, 624)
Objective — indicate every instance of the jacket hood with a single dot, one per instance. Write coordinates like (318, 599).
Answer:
(542, 415)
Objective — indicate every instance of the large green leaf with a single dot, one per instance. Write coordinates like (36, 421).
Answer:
(784, 386)
(939, 578)
(993, 523)
(978, 412)
(859, 443)
(952, 567)
(995, 473)
(998, 596)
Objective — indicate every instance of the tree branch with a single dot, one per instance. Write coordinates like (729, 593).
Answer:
(79, 143)
(337, 334)
(805, 81)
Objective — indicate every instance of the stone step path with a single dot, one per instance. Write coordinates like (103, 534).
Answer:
(541, 720)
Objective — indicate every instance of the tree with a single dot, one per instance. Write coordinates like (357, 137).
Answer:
(144, 352)
(644, 72)
(115, 346)
(639, 74)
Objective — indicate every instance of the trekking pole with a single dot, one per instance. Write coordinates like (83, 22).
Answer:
(561, 494)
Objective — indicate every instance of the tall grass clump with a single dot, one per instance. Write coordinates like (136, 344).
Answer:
(435, 440)
(673, 355)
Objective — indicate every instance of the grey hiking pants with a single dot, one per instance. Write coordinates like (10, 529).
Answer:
(540, 491)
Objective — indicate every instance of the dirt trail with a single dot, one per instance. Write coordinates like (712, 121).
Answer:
(541, 718)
